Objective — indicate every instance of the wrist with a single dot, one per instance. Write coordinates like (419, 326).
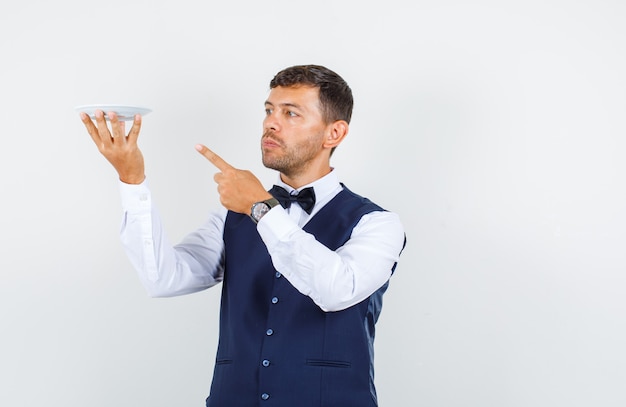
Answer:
(132, 180)
(261, 208)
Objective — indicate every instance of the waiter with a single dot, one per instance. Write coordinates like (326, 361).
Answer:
(303, 266)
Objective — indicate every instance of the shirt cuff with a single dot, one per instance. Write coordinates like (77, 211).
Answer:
(275, 226)
(136, 198)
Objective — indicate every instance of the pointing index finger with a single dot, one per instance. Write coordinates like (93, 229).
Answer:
(214, 158)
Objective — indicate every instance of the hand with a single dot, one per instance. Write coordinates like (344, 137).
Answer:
(119, 149)
(238, 189)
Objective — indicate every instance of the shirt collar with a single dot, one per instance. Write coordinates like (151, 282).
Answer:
(322, 187)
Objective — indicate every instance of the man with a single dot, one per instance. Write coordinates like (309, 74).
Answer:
(302, 281)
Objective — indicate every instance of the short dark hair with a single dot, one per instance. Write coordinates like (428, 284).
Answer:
(336, 100)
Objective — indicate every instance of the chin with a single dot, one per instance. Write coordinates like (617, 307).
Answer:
(272, 166)
(268, 163)
(268, 160)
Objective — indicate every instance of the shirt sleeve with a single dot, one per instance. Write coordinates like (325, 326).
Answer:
(335, 280)
(166, 270)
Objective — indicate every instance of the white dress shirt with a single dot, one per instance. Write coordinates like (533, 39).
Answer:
(335, 280)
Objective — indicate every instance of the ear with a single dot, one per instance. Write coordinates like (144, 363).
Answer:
(337, 131)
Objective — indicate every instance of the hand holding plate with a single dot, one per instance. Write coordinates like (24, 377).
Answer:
(119, 149)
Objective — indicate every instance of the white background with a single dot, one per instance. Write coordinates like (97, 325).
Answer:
(494, 128)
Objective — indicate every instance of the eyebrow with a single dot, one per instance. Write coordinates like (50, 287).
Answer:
(295, 105)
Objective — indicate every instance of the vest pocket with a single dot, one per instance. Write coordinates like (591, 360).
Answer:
(223, 361)
(328, 363)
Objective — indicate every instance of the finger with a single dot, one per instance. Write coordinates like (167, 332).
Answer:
(134, 131)
(116, 126)
(91, 129)
(103, 129)
(214, 158)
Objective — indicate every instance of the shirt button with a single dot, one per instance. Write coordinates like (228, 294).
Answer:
(269, 332)
(278, 275)
(265, 396)
(275, 300)
(266, 363)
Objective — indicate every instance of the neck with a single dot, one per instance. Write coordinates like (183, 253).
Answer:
(298, 180)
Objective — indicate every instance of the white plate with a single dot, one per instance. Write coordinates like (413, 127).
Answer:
(125, 113)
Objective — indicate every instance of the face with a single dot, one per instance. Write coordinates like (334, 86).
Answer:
(293, 130)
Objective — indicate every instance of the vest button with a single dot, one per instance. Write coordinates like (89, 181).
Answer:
(265, 396)
(266, 363)
(269, 332)
(278, 275)
(275, 300)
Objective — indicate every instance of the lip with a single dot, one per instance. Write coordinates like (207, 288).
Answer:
(269, 143)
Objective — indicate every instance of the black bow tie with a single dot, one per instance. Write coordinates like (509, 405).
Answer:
(305, 198)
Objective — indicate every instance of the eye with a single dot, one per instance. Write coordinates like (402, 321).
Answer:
(291, 114)
(268, 112)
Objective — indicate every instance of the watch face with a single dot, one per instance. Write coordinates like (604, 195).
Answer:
(259, 209)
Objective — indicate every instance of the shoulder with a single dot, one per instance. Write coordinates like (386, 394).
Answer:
(374, 220)
(357, 201)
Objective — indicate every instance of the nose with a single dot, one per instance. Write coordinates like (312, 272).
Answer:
(271, 122)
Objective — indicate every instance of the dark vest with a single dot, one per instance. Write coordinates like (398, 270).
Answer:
(276, 347)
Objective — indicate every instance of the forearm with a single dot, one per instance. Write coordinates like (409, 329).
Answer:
(335, 280)
(163, 269)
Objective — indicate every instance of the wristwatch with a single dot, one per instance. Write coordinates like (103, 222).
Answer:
(259, 209)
